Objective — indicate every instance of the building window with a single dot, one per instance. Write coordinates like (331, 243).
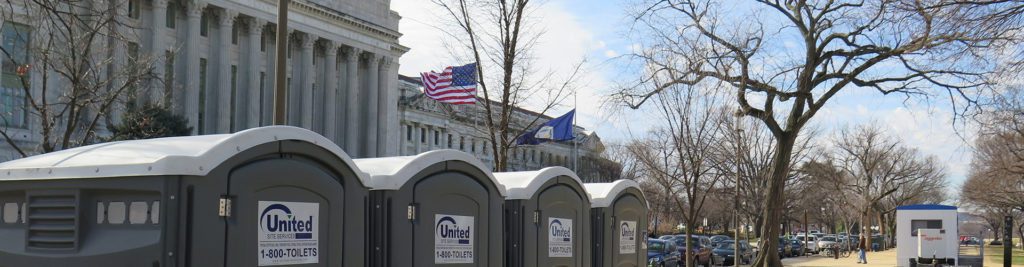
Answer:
(134, 10)
(204, 24)
(202, 97)
(541, 157)
(472, 146)
(168, 75)
(15, 75)
(263, 42)
(263, 88)
(533, 155)
(437, 137)
(462, 143)
(172, 7)
(408, 133)
(449, 140)
(423, 135)
(234, 33)
(234, 90)
(133, 57)
(924, 224)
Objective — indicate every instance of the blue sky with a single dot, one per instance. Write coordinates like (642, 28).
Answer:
(597, 30)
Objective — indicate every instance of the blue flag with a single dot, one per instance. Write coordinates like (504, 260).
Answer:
(557, 129)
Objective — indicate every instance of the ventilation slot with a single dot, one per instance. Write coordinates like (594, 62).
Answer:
(52, 222)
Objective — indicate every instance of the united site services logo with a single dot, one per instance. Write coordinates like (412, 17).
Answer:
(558, 231)
(278, 218)
(449, 231)
(627, 232)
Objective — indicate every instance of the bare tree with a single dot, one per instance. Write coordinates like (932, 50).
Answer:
(911, 48)
(756, 150)
(995, 182)
(74, 63)
(879, 169)
(499, 36)
(680, 157)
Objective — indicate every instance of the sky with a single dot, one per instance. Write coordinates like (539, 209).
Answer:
(598, 32)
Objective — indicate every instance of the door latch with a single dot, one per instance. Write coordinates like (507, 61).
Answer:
(224, 207)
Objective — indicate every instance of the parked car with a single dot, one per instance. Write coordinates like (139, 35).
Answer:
(662, 253)
(701, 247)
(784, 249)
(725, 253)
(718, 238)
(826, 243)
(797, 247)
(811, 244)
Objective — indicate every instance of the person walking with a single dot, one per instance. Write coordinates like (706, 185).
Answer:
(862, 246)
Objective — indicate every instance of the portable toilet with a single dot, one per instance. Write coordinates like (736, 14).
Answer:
(277, 195)
(547, 218)
(436, 208)
(941, 242)
(619, 224)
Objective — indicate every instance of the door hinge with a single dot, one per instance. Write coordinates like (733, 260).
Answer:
(536, 216)
(411, 212)
(224, 207)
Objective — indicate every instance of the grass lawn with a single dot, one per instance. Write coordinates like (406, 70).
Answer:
(995, 254)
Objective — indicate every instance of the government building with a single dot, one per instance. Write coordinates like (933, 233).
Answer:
(216, 59)
(428, 125)
(213, 64)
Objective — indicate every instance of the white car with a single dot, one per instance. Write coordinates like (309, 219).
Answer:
(826, 242)
(812, 243)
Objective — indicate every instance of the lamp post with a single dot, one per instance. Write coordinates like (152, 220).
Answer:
(736, 201)
(279, 68)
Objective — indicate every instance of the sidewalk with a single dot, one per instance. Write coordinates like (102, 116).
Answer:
(875, 259)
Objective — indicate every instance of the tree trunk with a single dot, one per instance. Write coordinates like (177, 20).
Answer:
(775, 200)
(689, 234)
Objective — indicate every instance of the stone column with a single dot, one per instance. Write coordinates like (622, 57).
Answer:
(307, 80)
(223, 48)
(253, 105)
(268, 90)
(372, 94)
(157, 91)
(384, 107)
(330, 89)
(352, 128)
(195, 12)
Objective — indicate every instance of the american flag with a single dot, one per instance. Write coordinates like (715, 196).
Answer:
(454, 85)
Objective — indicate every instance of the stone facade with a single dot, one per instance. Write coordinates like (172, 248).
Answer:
(429, 125)
(342, 57)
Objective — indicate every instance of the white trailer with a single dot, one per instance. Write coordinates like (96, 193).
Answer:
(940, 240)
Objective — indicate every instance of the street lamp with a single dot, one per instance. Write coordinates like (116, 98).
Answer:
(736, 201)
(279, 70)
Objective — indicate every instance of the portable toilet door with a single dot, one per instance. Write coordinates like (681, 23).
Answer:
(547, 218)
(619, 223)
(280, 195)
(433, 209)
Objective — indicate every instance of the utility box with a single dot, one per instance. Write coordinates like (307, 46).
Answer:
(438, 208)
(939, 225)
(618, 219)
(271, 196)
(547, 218)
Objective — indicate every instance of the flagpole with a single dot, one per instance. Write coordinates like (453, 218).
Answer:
(575, 148)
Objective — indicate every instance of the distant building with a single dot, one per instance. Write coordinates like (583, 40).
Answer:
(428, 125)
(218, 60)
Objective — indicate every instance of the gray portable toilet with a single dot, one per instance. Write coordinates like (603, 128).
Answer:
(547, 218)
(279, 195)
(437, 208)
(619, 223)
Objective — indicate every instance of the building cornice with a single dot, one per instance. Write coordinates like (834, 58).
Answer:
(347, 21)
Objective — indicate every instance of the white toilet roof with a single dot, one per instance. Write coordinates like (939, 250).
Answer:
(523, 185)
(603, 194)
(390, 173)
(185, 155)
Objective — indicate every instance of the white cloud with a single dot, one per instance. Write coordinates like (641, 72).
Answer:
(610, 53)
